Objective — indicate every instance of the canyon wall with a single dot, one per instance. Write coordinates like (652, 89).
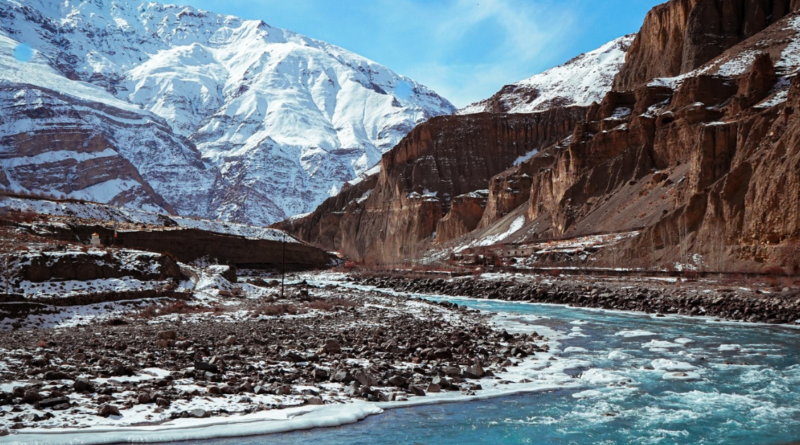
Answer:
(681, 35)
(438, 161)
(704, 165)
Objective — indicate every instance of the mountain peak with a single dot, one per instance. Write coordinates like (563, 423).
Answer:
(280, 119)
(579, 82)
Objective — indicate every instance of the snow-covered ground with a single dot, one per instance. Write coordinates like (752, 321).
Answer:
(148, 422)
(102, 212)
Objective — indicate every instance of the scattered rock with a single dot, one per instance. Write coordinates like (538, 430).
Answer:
(365, 378)
(83, 385)
(108, 410)
(31, 395)
(144, 398)
(474, 372)
(57, 375)
(199, 413)
(167, 335)
(206, 367)
(53, 401)
(332, 346)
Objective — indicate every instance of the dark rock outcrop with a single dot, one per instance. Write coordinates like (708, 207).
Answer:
(682, 35)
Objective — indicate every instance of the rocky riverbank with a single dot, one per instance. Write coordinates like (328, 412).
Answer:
(732, 302)
(180, 359)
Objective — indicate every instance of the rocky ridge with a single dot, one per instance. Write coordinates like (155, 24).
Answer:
(438, 161)
(579, 82)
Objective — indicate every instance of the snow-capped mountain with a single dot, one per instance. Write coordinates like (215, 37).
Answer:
(581, 81)
(268, 123)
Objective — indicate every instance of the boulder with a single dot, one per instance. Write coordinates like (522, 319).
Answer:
(83, 385)
(108, 410)
(432, 387)
(199, 413)
(474, 371)
(53, 401)
(167, 335)
(343, 377)
(365, 378)
(398, 381)
(332, 346)
(57, 375)
(206, 367)
(30, 395)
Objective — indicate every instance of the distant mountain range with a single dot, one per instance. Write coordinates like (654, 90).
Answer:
(171, 108)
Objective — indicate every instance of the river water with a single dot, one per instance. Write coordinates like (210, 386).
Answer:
(644, 380)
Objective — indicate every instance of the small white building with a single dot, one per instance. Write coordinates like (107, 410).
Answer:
(96, 240)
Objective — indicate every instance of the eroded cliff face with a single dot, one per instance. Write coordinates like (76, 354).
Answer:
(682, 35)
(697, 150)
(703, 164)
(464, 216)
(441, 159)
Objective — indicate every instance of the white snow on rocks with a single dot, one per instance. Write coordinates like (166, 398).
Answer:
(281, 120)
(581, 81)
(90, 210)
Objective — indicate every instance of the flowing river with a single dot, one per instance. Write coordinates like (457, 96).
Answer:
(643, 380)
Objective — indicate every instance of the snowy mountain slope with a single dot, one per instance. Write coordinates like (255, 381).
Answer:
(283, 118)
(108, 213)
(581, 81)
(76, 139)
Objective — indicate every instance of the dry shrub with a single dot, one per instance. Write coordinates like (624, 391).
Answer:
(276, 310)
(554, 273)
(177, 307)
(330, 304)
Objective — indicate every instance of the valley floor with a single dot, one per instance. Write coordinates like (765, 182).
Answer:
(169, 363)
(333, 350)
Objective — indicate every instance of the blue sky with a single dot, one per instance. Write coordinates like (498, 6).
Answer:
(466, 50)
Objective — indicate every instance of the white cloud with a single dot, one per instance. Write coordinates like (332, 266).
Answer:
(524, 38)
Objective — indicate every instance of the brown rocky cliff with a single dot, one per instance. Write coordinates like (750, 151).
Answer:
(322, 227)
(682, 35)
(512, 188)
(714, 170)
(464, 216)
(440, 159)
